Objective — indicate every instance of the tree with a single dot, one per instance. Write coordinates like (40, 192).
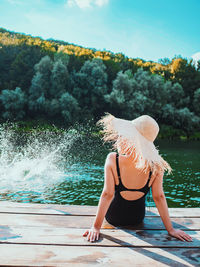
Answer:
(134, 95)
(180, 118)
(13, 102)
(176, 95)
(90, 86)
(69, 108)
(40, 85)
(63, 57)
(59, 79)
(122, 90)
(184, 72)
(196, 102)
(112, 68)
(21, 69)
(186, 120)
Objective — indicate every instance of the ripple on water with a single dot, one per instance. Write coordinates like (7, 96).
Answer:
(48, 170)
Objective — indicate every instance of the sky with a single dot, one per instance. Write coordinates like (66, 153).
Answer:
(147, 29)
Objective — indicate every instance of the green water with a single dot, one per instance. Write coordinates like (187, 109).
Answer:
(83, 177)
(181, 187)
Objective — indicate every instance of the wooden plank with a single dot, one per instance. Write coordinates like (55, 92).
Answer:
(86, 222)
(40, 255)
(72, 236)
(176, 212)
(33, 208)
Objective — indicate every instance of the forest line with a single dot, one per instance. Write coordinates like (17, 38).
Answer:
(63, 84)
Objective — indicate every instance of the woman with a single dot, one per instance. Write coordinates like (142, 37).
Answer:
(129, 174)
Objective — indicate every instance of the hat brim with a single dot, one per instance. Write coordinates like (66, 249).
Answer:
(135, 144)
(125, 134)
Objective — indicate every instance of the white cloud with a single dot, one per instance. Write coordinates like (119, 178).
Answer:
(196, 56)
(101, 2)
(86, 3)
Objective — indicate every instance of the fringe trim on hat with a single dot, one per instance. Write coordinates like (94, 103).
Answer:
(143, 152)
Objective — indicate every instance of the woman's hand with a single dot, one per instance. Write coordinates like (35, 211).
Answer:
(180, 235)
(92, 234)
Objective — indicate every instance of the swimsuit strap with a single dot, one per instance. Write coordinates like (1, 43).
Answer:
(117, 164)
(121, 187)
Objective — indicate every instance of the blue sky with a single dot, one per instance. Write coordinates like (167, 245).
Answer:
(148, 29)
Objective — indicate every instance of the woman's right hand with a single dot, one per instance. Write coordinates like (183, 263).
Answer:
(180, 235)
(92, 234)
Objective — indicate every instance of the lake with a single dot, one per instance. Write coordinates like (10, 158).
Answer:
(67, 168)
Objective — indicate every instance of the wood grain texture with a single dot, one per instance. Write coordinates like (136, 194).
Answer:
(86, 221)
(51, 235)
(40, 255)
(73, 236)
(33, 208)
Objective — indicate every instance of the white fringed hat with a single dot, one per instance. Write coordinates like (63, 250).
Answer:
(136, 137)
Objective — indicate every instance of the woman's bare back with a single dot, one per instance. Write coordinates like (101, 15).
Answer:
(131, 177)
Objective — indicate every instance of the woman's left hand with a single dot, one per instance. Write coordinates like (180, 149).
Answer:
(179, 234)
(92, 234)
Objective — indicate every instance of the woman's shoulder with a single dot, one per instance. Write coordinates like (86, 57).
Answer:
(111, 157)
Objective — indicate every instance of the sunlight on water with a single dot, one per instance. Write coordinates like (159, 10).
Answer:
(68, 167)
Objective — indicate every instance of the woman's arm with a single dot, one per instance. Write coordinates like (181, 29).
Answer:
(105, 200)
(161, 204)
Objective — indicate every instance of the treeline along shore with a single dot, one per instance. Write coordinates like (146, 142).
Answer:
(61, 83)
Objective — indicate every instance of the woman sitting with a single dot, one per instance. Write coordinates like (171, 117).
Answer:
(129, 174)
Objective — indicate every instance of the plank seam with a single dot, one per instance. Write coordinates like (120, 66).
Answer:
(8, 265)
(107, 229)
(82, 215)
(95, 245)
(87, 215)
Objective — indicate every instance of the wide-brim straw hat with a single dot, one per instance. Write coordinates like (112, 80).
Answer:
(135, 138)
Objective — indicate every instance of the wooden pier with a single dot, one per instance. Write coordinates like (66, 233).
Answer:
(51, 235)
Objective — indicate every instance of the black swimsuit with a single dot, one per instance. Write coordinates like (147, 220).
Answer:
(126, 212)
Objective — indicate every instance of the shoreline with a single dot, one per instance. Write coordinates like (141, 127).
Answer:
(167, 132)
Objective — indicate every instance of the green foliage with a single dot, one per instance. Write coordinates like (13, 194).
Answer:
(35, 126)
(184, 72)
(64, 83)
(169, 132)
(59, 79)
(138, 94)
(69, 108)
(181, 118)
(13, 102)
(196, 101)
(90, 85)
(187, 120)
(47, 94)
(195, 136)
(40, 85)
(123, 87)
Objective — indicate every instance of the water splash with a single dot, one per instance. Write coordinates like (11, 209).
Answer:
(33, 161)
